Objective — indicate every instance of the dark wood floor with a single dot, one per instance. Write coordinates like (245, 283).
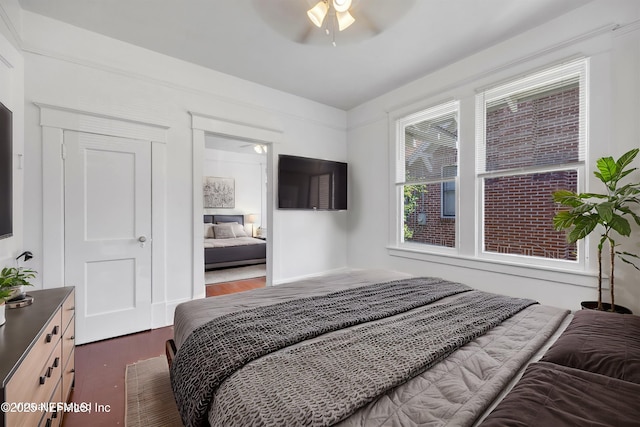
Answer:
(100, 366)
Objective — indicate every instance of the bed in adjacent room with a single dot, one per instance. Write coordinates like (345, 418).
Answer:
(359, 348)
(228, 244)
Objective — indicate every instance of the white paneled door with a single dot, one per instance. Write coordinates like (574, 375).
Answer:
(107, 206)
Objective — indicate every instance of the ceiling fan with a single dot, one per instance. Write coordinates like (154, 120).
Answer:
(363, 18)
(319, 12)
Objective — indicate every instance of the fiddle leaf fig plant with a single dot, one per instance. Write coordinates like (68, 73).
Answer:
(608, 213)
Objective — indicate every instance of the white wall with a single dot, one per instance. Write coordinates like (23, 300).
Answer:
(12, 95)
(613, 129)
(69, 67)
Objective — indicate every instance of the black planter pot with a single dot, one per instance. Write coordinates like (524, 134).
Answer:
(593, 305)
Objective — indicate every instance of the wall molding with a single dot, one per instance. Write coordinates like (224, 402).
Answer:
(417, 101)
(181, 87)
(13, 31)
(100, 123)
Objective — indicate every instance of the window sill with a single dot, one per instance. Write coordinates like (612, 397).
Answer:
(550, 274)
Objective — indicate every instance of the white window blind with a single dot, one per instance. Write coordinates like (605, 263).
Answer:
(532, 152)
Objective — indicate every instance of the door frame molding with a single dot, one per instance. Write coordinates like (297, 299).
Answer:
(55, 120)
(202, 124)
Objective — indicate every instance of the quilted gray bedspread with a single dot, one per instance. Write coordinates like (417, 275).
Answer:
(321, 382)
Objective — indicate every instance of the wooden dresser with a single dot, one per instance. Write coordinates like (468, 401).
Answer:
(37, 359)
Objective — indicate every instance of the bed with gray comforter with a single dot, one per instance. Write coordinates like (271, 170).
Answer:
(362, 348)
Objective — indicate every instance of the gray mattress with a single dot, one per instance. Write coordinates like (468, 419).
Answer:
(457, 391)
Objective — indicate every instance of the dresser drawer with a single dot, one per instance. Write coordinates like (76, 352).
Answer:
(53, 419)
(68, 309)
(34, 382)
(68, 375)
(68, 340)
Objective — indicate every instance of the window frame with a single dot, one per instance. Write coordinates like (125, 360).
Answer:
(398, 180)
(576, 68)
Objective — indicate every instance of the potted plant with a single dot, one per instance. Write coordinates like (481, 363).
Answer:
(4, 295)
(605, 213)
(13, 279)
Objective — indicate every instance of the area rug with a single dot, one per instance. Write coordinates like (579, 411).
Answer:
(232, 274)
(149, 397)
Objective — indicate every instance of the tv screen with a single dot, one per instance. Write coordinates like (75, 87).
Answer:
(6, 172)
(315, 184)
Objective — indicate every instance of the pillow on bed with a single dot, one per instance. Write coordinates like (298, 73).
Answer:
(238, 229)
(208, 231)
(223, 231)
(600, 342)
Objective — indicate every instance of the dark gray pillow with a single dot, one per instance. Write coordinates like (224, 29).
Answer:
(601, 342)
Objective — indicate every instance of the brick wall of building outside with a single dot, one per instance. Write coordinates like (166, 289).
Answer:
(437, 231)
(518, 209)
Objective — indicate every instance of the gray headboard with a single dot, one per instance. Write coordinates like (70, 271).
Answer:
(214, 219)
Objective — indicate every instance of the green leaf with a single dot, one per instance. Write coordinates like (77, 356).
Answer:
(563, 220)
(605, 210)
(608, 169)
(601, 242)
(620, 224)
(582, 209)
(584, 225)
(623, 255)
(567, 198)
(626, 159)
(592, 196)
(627, 172)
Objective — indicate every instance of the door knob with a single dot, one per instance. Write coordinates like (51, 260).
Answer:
(142, 240)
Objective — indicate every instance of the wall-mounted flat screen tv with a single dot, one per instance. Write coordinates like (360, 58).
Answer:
(314, 184)
(6, 172)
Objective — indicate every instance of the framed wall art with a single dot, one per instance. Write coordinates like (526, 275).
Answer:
(219, 192)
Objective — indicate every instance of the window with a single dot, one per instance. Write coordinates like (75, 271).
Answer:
(426, 175)
(531, 141)
(449, 192)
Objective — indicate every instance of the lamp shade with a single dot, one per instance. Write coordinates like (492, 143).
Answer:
(341, 5)
(252, 218)
(344, 20)
(318, 12)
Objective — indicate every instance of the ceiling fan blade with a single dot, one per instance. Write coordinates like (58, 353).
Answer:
(304, 36)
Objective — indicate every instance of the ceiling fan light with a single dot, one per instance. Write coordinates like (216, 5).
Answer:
(341, 5)
(317, 13)
(344, 20)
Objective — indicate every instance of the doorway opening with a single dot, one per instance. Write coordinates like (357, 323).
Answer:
(234, 212)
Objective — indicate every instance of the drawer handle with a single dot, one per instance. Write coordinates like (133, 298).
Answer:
(72, 337)
(48, 424)
(43, 379)
(54, 414)
(56, 362)
(49, 370)
(55, 330)
(49, 338)
(72, 370)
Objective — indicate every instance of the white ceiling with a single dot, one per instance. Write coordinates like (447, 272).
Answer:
(271, 42)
